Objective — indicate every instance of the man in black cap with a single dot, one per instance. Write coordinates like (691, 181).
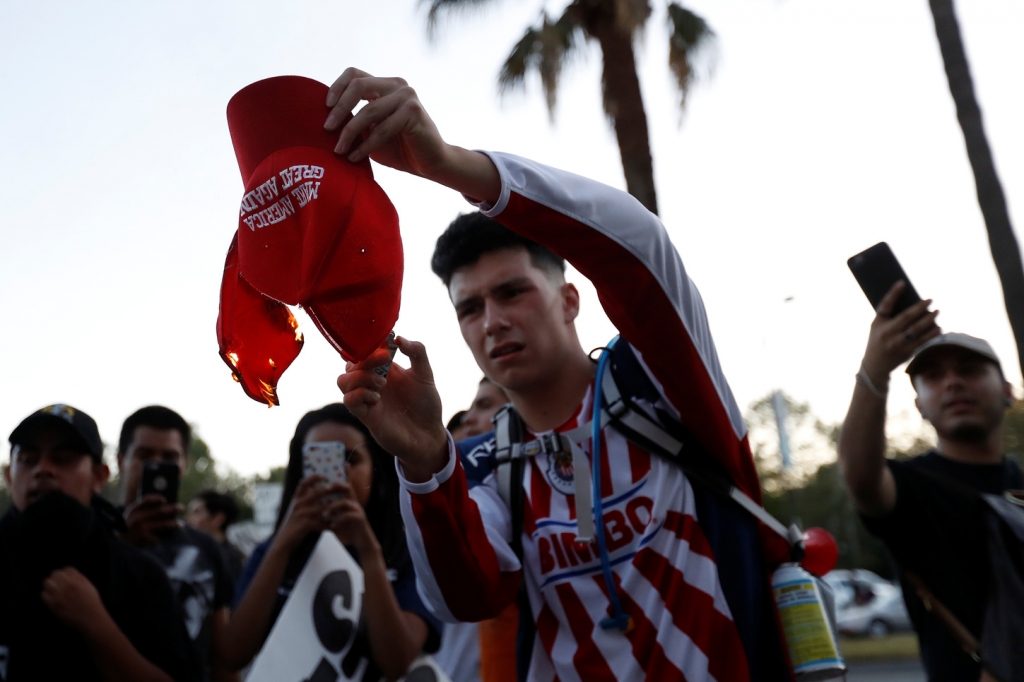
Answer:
(75, 603)
(928, 510)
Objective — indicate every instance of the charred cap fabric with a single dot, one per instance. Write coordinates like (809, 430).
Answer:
(975, 345)
(77, 425)
(314, 230)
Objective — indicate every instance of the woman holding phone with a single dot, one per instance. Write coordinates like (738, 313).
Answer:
(363, 512)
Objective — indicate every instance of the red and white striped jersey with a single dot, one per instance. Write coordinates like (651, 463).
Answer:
(663, 562)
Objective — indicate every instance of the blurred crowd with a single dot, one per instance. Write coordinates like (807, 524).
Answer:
(152, 589)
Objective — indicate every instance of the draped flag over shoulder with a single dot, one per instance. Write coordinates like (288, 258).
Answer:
(314, 230)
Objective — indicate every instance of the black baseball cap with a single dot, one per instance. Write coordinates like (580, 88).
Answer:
(65, 419)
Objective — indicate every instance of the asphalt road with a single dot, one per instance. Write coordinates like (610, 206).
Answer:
(889, 671)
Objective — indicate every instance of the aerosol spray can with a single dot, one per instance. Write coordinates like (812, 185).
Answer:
(805, 609)
(384, 370)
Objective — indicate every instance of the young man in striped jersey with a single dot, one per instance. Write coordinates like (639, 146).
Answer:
(686, 565)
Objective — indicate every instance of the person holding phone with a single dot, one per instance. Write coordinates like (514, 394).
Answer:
(928, 509)
(152, 458)
(361, 508)
(75, 603)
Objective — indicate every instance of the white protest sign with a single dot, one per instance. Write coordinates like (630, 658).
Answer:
(268, 499)
(314, 638)
(318, 622)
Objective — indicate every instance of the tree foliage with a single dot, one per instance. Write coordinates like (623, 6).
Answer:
(549, 46)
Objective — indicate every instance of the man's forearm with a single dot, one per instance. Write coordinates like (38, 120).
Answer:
(471, 173)
(862, 452)
(115, 656)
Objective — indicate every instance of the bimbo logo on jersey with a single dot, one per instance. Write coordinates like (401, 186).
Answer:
(629, 524)
(281, 204)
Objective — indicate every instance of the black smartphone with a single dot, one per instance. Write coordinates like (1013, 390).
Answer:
(877, 270)
(161, 478)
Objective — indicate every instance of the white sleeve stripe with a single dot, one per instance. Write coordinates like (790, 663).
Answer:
(646, 240)
(426, 584)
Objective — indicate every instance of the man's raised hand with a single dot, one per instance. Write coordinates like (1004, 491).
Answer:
(393, 128)
(403, 411)
(893, 339)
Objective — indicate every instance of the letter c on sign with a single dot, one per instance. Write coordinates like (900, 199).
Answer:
(333, 616)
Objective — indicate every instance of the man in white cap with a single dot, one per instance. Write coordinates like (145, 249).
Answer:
(928, 510)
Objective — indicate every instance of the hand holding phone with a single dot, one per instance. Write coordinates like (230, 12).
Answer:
(161, 478)
(877, 271)
(902, 321)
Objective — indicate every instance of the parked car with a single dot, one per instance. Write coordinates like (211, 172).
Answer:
(867, 604)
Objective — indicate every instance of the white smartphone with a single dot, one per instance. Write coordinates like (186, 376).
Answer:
(324, 459)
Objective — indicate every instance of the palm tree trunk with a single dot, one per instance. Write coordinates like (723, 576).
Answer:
(1001, 239)
(625, 106)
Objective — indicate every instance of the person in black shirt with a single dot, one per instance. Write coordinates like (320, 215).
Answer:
(213, 512)
(76, 603)
(192, 560)
(928, 510)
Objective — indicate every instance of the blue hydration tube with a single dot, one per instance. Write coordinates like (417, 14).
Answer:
(619, 619)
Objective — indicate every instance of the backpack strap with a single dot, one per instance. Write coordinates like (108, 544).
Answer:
(631, 420)
(509, 461)
(510, 455)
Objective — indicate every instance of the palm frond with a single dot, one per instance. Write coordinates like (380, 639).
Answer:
(441, 9)
(690, 40)
(546, 48)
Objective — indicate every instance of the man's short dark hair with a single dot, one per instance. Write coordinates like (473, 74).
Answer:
(220, 503)
(471, 235)
(156, 417)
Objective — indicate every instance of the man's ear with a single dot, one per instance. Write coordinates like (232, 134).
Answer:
(570, 302)
(100, 476)
(1008, 398)
(917, 404)
(7, 475)
(120, 461)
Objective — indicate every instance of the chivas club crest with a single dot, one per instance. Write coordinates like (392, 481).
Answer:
(560, 472)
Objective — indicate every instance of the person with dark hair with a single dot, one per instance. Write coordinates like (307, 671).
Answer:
(192, 560)
(670, 580)
(363, 512)
(471, 235)
(213, 513)
(76, 603)
(930, 510)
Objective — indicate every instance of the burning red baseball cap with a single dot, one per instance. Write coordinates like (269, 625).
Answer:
(314, 230)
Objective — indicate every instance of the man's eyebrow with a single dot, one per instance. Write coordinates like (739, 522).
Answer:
(500, 287)
(510, 283)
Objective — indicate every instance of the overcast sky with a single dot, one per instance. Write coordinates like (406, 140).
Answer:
(825, 128)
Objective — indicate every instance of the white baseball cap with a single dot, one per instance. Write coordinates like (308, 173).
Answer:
(971, 343)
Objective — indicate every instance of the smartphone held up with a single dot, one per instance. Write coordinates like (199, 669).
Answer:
(325, 459)
(877, 271)
(161, 478)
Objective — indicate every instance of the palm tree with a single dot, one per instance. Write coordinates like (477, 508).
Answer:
(1001, 239)
(614, 24)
